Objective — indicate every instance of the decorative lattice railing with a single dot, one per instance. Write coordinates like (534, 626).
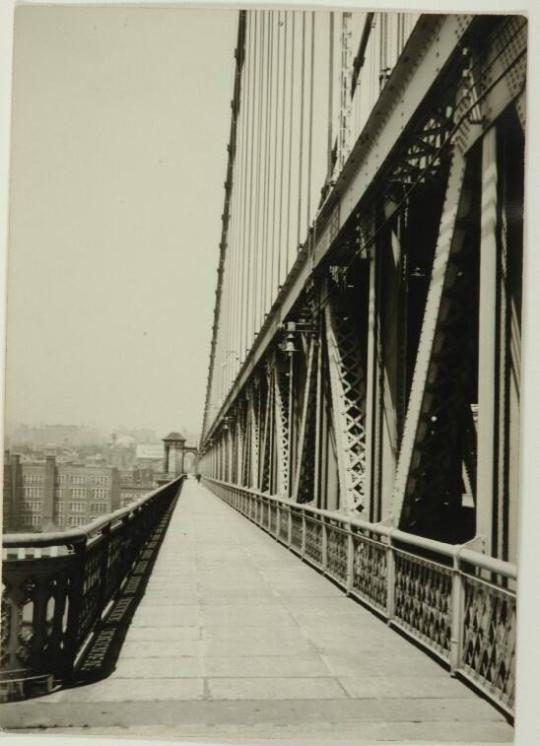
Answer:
(457, 602)
(58, 586)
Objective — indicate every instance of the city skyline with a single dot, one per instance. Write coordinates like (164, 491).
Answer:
(116, 429)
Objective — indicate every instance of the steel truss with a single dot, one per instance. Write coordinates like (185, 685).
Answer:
(414, 387)
(346, 363)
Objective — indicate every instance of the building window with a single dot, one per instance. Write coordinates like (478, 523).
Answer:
(98, 508)
(76, 520)
(30, 492)
(32, 478)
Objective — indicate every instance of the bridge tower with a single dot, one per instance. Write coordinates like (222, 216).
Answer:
(174, 446)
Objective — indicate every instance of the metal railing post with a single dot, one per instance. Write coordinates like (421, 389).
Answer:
(104, 567)
(390, 581)
(289, 527)
(324, 548)
(457, 601)
(350, 561)
(75, 609)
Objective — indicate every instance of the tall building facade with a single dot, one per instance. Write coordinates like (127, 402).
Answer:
(135, 484)
(45, 495)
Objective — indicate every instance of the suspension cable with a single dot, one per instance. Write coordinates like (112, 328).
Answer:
(301, 144)
(274, 171)
(291, 120)
(310, 142)
(281, 184)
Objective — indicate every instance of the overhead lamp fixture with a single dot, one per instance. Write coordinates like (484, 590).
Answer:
(290, 347)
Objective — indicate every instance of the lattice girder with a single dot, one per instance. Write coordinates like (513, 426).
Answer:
(281, 410)
(265, 455)
(254, 436)
(348, 386)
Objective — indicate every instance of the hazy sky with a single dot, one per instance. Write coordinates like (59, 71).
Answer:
(120, 123)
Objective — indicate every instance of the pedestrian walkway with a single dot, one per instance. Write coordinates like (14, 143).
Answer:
(236, 638)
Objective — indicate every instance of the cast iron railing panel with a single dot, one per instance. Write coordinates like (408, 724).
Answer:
(489, 637)
(57, 587)
(337, 553)
(369, 571)
(458, 603)
(423, 598)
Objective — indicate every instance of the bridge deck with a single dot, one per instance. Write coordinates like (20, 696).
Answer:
(236, 638)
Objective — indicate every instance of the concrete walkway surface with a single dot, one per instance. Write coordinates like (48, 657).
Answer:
(236, 638)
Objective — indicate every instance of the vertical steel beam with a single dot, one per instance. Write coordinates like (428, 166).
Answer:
(487, 348)
(345, 489)
(318, 424)
(371, 372)
(291, 460)
(239, 445)
(272, 433)
(500, 544)
(378, 396)
(303, 422)
(282, 433)
(347, 383)
(254, 441)
(265, 459)
(229, 455)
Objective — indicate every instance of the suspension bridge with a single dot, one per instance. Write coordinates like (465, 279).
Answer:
(347, 566)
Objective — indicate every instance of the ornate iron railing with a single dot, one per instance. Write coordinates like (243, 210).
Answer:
(58, 586)
(457, 602)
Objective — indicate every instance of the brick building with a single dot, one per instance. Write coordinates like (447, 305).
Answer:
(42, 496)
(135, 484)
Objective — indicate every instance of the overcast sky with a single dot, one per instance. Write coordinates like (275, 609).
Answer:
(120, 123)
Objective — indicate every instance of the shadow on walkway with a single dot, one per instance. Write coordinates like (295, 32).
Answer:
(101, 655)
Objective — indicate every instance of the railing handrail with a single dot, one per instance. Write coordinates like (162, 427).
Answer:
(55, 604)
(456, 552)
(81, 534)
(449, 608)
